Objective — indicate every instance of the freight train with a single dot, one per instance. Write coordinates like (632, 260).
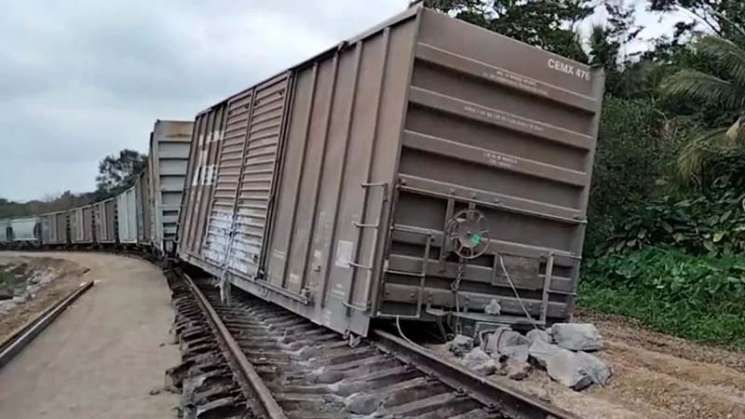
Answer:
(145, 215)
(427, 169)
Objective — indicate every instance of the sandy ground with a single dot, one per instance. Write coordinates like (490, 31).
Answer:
(104, 355)
(64, 276)
(655, 376)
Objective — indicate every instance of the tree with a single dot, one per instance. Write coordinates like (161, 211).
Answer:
(722, 87)
(725, 18)
(117, 173)
(547, 24)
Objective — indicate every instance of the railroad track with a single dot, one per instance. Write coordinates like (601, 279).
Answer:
(22, 337)
(288, 367)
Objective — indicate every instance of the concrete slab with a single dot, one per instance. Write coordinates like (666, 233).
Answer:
(104, 355)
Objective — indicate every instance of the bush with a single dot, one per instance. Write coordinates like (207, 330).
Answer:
(710, 220)
(695, 297)
(634, 150)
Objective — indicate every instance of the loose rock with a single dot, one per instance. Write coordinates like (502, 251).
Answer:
(569, 369)
(539, 334)
(577, 336)
(595, 368)
(460, 345)
(480, 362)
(517, 370)
(542, 351)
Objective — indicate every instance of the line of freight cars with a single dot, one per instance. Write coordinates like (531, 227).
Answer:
(144, 215)
(427, 169)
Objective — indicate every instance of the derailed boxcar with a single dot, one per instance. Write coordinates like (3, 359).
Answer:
(54, 228)
(204, 158)
(427, 168)
(169, 153)
(126, 216)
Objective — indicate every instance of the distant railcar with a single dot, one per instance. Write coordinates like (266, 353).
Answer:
(126, 210)
(24, 230)
(426, 169)
(6, 233)
(169, 153)
(104, 214)
(54, 228)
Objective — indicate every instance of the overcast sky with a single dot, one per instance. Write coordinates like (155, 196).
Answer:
(78, 83)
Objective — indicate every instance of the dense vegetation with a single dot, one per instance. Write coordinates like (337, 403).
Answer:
(666, 230)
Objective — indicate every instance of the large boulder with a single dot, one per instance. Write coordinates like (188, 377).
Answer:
(595, 368)
(542, 351)
(577, 370)
(539, 334)
(577, 336)
(568, 369)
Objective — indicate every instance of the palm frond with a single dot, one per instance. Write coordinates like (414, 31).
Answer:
(728, 54)
(697, 85)
(699, 148)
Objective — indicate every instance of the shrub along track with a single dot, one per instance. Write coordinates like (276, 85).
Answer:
(288, 367)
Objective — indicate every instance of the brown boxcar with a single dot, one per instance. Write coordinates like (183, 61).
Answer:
(204, 159)
(427, 168)
(82, 229)
(54, 229)
(105, 221)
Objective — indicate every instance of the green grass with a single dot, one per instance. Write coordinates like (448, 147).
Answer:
(695, 297)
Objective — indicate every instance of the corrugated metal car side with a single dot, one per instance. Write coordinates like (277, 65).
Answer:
(86, 224)
(48, 228)
(229, 166)
(502, 128)
(169, 154)
(144, 208)
(63, 231)
(105, 221)
(54, 228)
(347, 110)
(265, 125)
(126, 215)
(200, 182)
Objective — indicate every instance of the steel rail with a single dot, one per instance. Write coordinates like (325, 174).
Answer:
(15, 343)
(504, 400)
(251, 382)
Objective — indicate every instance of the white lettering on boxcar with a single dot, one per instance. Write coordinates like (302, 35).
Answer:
(566, 68)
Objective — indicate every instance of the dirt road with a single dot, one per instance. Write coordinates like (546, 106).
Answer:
(104, 355)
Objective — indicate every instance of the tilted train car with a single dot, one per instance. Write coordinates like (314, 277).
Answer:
(170, 142)
(54, 228)
(425, 169)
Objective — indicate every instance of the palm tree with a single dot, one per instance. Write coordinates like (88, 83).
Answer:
(725, 90)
